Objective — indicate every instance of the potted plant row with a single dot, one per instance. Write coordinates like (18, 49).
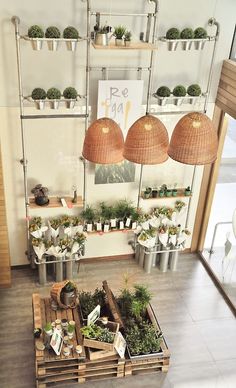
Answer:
(53, 36)
(179, 94)
(53, 96)
(186, 37)
(164, 191)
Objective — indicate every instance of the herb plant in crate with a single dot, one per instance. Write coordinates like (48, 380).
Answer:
(53, 35)
(36, 34)
(88, 301)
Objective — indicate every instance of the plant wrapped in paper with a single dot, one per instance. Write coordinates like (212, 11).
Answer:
(147, 238)
(173, 233)
(72, 226)
(54, 227)
(78, 243)
(39, 248)
(36, 229)
(182, 237)
(167, 215)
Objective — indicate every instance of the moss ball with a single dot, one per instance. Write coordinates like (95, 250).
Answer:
(179, 91)
(173, 33)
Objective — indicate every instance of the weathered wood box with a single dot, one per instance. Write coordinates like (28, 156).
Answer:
(95, 344)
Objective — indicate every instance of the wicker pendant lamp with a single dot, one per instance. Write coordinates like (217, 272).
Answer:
(104, 142)
(194, 140)
(147, 141)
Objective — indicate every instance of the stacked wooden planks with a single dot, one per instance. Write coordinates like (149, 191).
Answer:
(226, 95)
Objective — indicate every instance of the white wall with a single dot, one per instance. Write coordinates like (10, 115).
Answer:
(53, 146)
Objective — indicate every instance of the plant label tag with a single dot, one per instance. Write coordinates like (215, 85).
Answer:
(94, 315)
(113, 222)
(134, 225)
(121, 224)
(128, 221)
(56, 341)
(106, 228)
(120, 344)
(99, 226)
(89, 227)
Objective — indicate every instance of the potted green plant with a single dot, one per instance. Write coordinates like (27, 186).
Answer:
(119, 33)
(194, 90)
(70, 94)
(187, 191)
(54, 96)
(147, 193)
(179, 91)
(101, 34)
(162, 93)
(69, 293)
(172, 36)
(154, 192)
(127, 37)
(187, 35)
(48, 328)
(40, 195)
(70, 331)
(169, 192)
(174, 190)
(200, 34)
(39, 95)
(89, 216)
(72, 34)
(53, 35)
(35, 33)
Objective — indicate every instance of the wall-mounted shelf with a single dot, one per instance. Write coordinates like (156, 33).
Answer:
(187, 44)
(178, 101)
(54, 202)
(180, 194)
(133, 46)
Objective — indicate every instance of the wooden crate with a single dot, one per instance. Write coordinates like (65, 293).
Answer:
(92, 343)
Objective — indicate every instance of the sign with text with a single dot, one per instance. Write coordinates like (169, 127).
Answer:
(94, 315)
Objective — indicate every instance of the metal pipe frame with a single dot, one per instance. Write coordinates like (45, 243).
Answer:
(94, 13)
(190, 198)
(59, 116)
(55, 261)
(214, 234)
(174, 113)
(162, 251)
(138, 68)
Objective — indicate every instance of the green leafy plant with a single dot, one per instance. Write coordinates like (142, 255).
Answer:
(88, 214)
(38, 94)
(65, 221)
(55, 222)
(35, 31)
(70, 328)
(70, 93)
(119, 32)
(52, 32)
(173, 33)
(187, 33)
(106, 212)
(69, 287)
(94, 331)
(179, 91)
(143, 295)
(48, 326)
(194, 90)
(179, 205)
(128, 36)
(200, 33)
(80, 238)
(163, 91)
(70, 33)
(88, 300)
(53, 94)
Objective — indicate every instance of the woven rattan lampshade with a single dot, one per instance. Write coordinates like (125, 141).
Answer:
(104, 142)
(147, 141)
(194, 140)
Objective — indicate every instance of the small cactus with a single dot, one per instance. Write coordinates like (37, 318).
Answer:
(200, 33)
(52, 32)
(70, 33)
(194, 90)
(70, 93)
(53, 94)
(187, 33)
(35, 31)
(179, 91)
(163, 91)
(173, 33)
(38, 94)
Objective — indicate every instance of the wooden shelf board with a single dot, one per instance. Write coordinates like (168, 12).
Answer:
(54, 202)
(133, 46)
(180, 194)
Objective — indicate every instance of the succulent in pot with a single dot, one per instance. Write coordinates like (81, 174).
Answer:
(54, 95)
(71, 32)
(39, 95)
(53, 34)
(173, 34)
(70, 94)
(40, 195)
(187, 34)
(200, 33)
(147, 192)
(127, 38)
(119, 33)
(35, 32)
(187, 191)
(48, 328)
(163, 92)
(194, 90)
(179, 91)
(101, 34)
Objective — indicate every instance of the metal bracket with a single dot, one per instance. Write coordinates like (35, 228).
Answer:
(23, 162)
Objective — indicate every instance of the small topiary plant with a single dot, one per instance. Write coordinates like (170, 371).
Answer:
(187, 33)
(70, 93)
(38, 94)
(200, 33)
(52, 32)
(119, 32)
(53, 94)
(163, 91)
(194, 90)
(70, 33)
(179, 91)
(35, 31)
(173, 33)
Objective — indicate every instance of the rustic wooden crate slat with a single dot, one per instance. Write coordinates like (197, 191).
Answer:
(112, 304)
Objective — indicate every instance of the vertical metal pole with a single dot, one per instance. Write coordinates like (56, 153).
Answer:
(140, 185)
(16, 21)
(153, 52)
(190, 198)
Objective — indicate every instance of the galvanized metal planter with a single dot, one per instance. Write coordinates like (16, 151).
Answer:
(164, 259)
(174, 257)
(70, 103)
(101, 39)
(36, 44)
(71, 44)
(54, 104)
(39, 104)
(53, 44)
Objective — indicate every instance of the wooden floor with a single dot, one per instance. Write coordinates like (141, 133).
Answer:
(198, 326)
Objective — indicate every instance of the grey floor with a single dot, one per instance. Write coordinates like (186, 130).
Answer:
(199, 327)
